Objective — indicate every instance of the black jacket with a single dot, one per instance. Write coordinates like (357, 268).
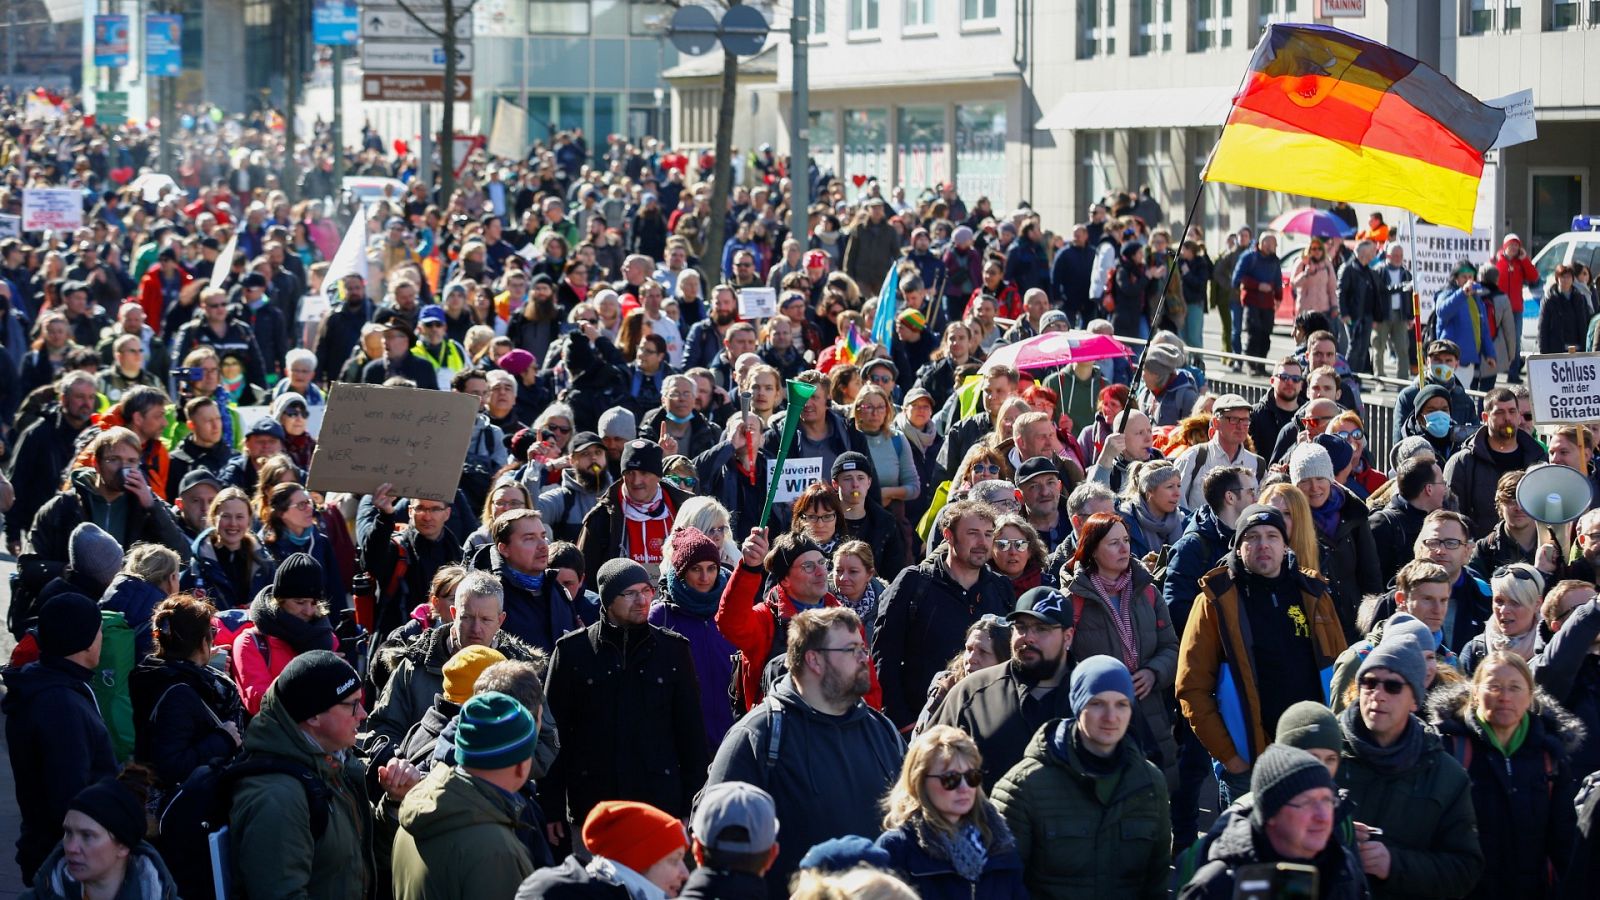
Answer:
(386, 550)
(178, 710)
(38, 462)
(52, 527)
(631, 728)
(1473, 473)
(721, 480)
(1242, 843)
(1395, 529)
(994, 707)
(1266, 421)
(409, 366)
(1350, 561)
(339, 335)
(237, 338)
(1526, 820)
(706, 883)
(922, 622)
(190, 456)
(602, 535)
(58, 744)
(825, 773)
(1359, 293)
(1566, 670)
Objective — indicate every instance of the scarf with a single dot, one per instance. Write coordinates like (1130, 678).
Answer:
(692, 602)
(1032, 576)
(637, 886)
(1118, 595)
(645, 528)
(1398, 757)
(533, 584)
(1160, 531)
(1509, 748)
(300, 542)
(964, 849)
(1326, 516)
(1522, 644)
(921, 438)
(303, 636)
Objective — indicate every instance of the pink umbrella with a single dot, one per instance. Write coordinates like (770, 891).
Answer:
(1058, 348)
(1311, 222)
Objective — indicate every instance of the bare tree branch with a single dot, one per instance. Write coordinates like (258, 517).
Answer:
(449, 26)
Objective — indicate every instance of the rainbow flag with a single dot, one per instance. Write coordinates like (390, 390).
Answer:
(851, 348)
(1328, 114)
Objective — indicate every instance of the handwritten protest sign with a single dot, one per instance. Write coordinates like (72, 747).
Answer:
(798, 474)
(55, 208)
(757, 303)
(1565, 388)
(414, 439)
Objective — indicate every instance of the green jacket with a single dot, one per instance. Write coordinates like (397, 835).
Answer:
(458, 840)
(1081, 836)
(274, 855)
(1427, 817)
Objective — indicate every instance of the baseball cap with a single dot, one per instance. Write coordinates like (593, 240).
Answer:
(196, 477)
(1033, 468)
(433, 312)
(735, 817)
(1045, 604)
(583, 440)
(268, 427)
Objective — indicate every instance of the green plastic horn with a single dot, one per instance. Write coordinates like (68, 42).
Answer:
(799, 393)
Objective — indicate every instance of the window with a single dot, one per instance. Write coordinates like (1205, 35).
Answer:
(984, 10)
(981, 150)
(1480, 16)
(922, 151)
(1153, 165)
(1564, 14)
(1152, 26)
(1513, 15)
(646, 18)
(1098, 174)
(866, 145)
(918, 14)
(1098, 19)
(863, 15)
(823, 133)
(1270, 11)
(1213, 24)
(558, 17)
(605, 114)
(819, 15)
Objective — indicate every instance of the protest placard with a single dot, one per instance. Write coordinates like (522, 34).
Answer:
(1565, 388)
(1438, 250)
(798, 474)
(10, 226)
(60, 209)
(411, 438)
(757, 303)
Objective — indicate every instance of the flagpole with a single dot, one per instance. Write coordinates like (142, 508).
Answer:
(1416, 298)
(1172, 259)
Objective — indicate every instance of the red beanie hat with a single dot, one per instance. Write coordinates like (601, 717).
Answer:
(691, 546)
(635, 834)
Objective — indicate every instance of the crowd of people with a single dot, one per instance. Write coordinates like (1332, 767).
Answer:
(1026, 630)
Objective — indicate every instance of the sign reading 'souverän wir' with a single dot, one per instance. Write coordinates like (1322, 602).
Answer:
(1565, 388)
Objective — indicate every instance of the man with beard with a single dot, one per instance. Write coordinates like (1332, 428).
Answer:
(1277, 408)
(340, 330)
(619, 687)
(1003, 706)
(924, 614)
(633, 519)
(1275, 629)
(566, 504)
(45, 449)
(824, 755)
(402, 559)
(704, 342)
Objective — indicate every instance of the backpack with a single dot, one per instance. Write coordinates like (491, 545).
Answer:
(30, 576)
(200, 807)
(110, 681)
(775, 665)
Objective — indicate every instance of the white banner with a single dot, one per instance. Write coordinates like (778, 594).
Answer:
(351, 257)
(757, 303)
(1565, 388)
(59, 209)
(224, 264)
(798, 474)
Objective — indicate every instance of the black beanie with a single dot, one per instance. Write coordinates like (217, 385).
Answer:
(67, 624)
(299, 578)
(116, 807)
(1280, 775)
(618, 575)
(313, 682)
(785, 550)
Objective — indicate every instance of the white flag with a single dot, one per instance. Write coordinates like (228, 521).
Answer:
(351, 257)
(224, 264)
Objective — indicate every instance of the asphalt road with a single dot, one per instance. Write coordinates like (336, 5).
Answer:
(10, 821)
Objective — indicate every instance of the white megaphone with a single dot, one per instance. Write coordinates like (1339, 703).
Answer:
(1554, 494)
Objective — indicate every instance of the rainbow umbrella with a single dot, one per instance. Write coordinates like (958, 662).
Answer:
(1311, 222)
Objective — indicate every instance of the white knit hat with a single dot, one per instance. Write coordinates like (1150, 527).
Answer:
(1309, 460)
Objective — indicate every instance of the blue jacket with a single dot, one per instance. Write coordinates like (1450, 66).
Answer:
(1069, 275)
(136, 599)
(1257, 265)
(1203, 545)
(928, 868)
(1452, 318)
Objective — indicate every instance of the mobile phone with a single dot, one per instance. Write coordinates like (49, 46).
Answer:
(1275, 881)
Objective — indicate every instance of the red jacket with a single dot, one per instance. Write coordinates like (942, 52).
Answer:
(1514, 275)
(150, 295)
(745, 619)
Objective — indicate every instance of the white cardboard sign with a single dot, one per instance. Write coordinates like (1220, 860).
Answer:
(758, 303)
(798, 474)
(1565, 388)
(59, 209)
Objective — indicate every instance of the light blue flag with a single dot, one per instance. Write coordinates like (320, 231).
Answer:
(888, 301)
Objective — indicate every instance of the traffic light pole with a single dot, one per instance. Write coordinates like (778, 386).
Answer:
(799, 133)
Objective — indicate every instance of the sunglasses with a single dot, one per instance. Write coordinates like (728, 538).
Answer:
(952, 780)
(1354, 434)
(1010, 544)
(986, 467)
(294, 412)
(1390, 686)
(1292, 379)
(1513, 572)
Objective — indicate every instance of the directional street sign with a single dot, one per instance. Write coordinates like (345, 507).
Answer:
(412, 56)
(393, 23)
(394, 86)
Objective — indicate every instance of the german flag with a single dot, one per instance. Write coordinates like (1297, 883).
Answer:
(1328, 114)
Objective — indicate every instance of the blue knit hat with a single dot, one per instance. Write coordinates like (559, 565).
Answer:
(1097, 674)
(494, 732)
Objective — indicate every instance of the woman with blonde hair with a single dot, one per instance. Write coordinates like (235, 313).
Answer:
(982, 463)
(228, 566)
(1516, 593)
(711, 519)
(1296, 509)
(1516, 744)
(872, 414)
(941, 830)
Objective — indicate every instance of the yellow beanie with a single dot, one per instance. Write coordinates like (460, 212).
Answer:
(463, 669)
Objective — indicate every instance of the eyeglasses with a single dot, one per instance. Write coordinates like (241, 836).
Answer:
(1354, 434)
(1445, 544)
(810, 566)
(1011, 544)
(303, 506)
(564, 429)
(859, 650)
(717, 533)
(640, 594)
(952, 780)
(1234, 420)
(1315, 803)
(353, 705)
(818, 517)
(1390, 686)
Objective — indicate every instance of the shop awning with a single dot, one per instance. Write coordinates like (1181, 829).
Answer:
(1178, 107)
